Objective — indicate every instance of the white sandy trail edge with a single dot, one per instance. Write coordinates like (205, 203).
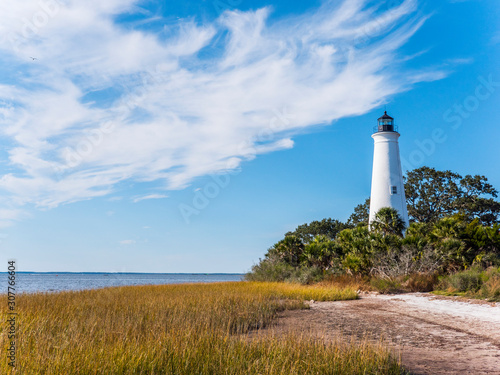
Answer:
(475, 318)
(451, 307)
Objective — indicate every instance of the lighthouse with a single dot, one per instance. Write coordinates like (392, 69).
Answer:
(387, 176)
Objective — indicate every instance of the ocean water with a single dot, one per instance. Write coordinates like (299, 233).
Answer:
(30, 282)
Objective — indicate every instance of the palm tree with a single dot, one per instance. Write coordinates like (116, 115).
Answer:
(388, 221)
(449, 239)
(288, 250)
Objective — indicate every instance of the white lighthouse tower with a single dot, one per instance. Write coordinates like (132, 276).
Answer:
(387, 176)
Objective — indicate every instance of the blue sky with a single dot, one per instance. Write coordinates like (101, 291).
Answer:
(147, 136)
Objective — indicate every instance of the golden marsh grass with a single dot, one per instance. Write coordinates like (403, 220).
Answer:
(179, 329)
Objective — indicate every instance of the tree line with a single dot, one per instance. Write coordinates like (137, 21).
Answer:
(432, 195)
(454, 224)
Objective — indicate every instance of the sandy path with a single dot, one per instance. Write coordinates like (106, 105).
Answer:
(434, 335)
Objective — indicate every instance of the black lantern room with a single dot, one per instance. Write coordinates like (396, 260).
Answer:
(385, 124)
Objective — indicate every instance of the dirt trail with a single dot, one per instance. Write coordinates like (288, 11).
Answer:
(434, 335)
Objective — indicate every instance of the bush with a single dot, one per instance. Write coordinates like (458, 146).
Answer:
(466, 281)
(356, 282)
(306, 275)
(408, 260)
(270, 270)
(475, 283)
(412, 263)
(421, 282)
(386, 286)
(491, 284)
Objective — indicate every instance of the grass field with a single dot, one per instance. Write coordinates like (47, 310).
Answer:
(179, 329)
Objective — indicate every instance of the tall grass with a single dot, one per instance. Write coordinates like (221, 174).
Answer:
(179, 329)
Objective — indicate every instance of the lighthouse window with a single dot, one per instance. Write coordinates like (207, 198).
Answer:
(394, 190)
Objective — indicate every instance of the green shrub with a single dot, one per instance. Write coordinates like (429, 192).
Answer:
(445, 246)
(491, 285)
(475, 283)
(466, 281)
(386, 286)
(306, 275)
(269, 270)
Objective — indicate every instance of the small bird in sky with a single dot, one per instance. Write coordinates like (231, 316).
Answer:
(33, 58)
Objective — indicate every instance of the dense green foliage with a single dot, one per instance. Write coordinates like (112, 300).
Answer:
(387, 221)
(449, 245)
(325, 227)
(455, 227)
(432, 195)
(361, 214)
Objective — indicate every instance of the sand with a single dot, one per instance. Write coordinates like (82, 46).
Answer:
(433, 335)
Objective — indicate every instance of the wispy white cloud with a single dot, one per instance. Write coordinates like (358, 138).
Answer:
(10, 215)
(104, 103)
(460, 61)
(150, 196)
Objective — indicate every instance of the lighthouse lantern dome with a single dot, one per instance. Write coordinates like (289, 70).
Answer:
(385, 124)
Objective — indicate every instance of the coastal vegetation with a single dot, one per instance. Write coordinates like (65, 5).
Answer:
(181, 329)
(451, 247)
(453, 236)
(474, 283)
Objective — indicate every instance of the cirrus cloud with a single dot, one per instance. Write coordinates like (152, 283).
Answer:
(104, 102)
